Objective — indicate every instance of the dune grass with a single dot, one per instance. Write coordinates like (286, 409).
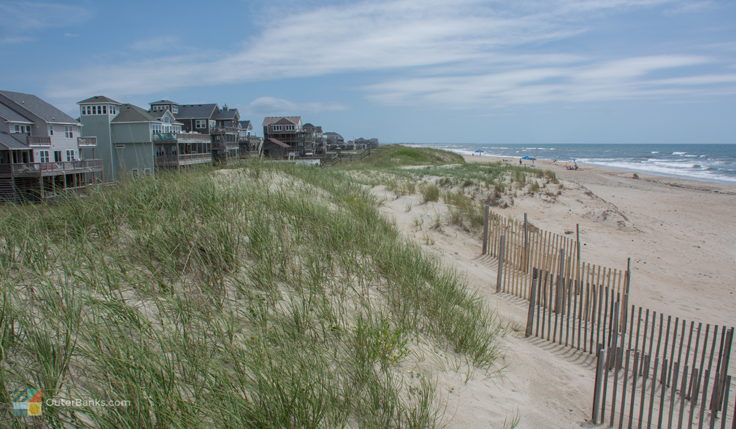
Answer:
(260, 296)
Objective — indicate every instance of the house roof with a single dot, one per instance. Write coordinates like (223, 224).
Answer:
(162, 102)
(159, 114)
(268, 120)
(10, 142)
(227, 114)
(11, 115)
(131, 113)
(196, 111)
(38, 107)
(278, 142)
(245, 125)
(98, 99)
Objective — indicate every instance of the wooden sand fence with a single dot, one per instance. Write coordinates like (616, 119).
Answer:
(652, 370)
(664, 373)
(519, 247)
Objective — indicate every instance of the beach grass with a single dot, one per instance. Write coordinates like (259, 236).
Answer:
(266, 295)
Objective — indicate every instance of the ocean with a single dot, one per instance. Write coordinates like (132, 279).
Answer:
(704, 162)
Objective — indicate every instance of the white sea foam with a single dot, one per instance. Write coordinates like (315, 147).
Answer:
(685, 171)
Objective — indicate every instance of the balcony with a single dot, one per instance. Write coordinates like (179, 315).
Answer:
(87, 141)
(38, 141)
(38, 169)
(164, 138)
(183, 159)
(193, 138)
(224, 130)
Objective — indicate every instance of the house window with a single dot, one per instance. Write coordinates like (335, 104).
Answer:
(57, 156)
(43, 155)
(70, 155)
(104, 110)
(22, 129)
(68, 133)
(51, 130)
(200, 123)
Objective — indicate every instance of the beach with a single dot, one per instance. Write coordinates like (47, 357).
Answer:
(678, 233)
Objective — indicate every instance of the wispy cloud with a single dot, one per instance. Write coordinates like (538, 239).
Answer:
(279, 106)
(461, 53)
(19, 19)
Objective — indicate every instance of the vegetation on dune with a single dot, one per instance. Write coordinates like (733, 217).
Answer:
(397, 155)
(263, 296)
(466, 187)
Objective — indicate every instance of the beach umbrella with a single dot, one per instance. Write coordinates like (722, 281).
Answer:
(526, 157)
(479, 151)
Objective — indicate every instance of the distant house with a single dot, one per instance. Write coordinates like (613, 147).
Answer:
(41, 150)
(249, 143)
(281, 136)
(334, 141)
(221, 125)
(226, 134)
(287, 136)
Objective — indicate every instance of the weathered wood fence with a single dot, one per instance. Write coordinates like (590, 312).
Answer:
(652, 370)
(682, 382)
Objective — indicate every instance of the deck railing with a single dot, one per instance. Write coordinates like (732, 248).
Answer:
(183, 159)
(51, 168)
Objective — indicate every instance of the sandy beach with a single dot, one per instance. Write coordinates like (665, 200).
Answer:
(681, 239)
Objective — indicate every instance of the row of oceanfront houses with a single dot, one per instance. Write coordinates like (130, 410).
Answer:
(44, 151)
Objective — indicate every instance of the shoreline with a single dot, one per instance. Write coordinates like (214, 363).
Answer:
(542, 158)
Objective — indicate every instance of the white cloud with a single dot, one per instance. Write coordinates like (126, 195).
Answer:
(19, 18)
(265, 106)
(461, 53)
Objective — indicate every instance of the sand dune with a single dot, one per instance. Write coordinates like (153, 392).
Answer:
(681, 239)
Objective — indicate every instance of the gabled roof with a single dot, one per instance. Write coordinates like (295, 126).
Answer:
(162, 102)
(98, 99)
(159, 114)
(246, 125)
(38, 107)
(196, 111)
(131, 113)
(10, 142)
(268, 120)
(229, 114)
(11, 115)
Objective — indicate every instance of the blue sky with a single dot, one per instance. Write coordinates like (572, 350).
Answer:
(524, 71)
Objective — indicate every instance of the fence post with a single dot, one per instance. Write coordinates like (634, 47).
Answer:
(532, 304)
(577, 240)
(627, 283)
(485, 229)
(501, 253)
(598, 384)
(526, 244)
(560, 282)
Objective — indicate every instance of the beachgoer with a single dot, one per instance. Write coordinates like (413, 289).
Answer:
(519, 162)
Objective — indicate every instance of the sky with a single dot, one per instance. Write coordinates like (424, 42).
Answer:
(465, 71)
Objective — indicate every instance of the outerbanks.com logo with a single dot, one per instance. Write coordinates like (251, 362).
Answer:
(27, 402)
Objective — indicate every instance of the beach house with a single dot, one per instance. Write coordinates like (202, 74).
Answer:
(134, 141)
(286, 136)
(220, 125)
(42, 150)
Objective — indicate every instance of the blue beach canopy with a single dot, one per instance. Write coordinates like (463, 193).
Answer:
(479, 151)
(528, 157)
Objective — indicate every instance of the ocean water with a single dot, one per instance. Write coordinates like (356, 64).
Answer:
(704, 162)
